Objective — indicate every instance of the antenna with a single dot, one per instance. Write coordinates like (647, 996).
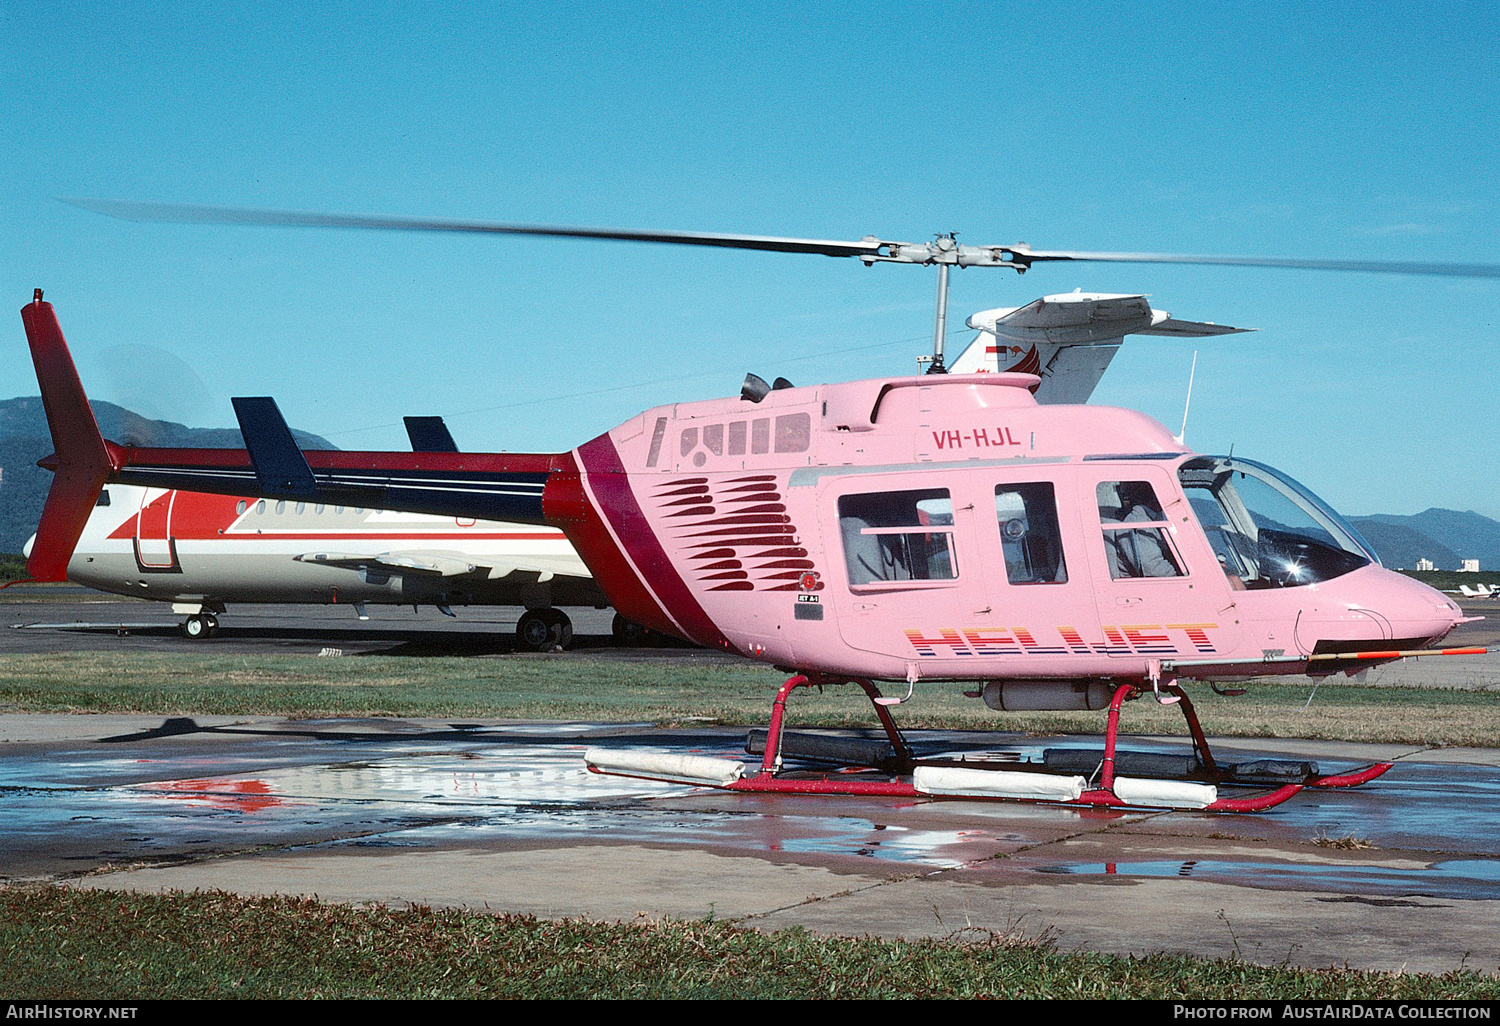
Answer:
(1189, 400)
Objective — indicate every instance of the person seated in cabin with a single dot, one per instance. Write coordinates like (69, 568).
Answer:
(1136, 552)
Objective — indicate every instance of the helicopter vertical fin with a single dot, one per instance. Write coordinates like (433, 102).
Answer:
(429, 434)
(83, 460)
(281, 471)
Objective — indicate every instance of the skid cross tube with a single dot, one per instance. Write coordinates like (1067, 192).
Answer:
(770, 763)
(1100, 795)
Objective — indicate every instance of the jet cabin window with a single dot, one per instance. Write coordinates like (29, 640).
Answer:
(1266, 529)
(1029, 535)
(1135, 551)
(898, 536)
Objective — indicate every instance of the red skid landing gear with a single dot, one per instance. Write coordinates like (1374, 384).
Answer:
(767, 782)
(1106, 793)
(1024, 781)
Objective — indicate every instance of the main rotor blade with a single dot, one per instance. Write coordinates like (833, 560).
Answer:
(1025, 255)
(1018, 257)
(187, 213)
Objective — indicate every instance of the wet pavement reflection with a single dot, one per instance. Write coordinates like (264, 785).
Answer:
(179, 792)
(1454, 878)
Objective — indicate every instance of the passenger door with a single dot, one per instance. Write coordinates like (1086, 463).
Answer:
(903, 563)
(1159, 590)
(155, 549)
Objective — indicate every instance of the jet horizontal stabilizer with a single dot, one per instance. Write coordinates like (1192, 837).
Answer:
(1068, 340)
(1191, 329)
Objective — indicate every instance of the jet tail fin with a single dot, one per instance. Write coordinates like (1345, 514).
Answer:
(82, 460)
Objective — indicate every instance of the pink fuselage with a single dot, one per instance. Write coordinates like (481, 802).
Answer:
(753, 527)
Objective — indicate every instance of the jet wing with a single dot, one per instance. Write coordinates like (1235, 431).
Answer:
(437, 564)
(393, 563)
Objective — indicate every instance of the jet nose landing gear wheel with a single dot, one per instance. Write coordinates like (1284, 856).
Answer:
(542, 630)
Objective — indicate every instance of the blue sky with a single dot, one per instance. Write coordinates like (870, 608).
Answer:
(1281, 129)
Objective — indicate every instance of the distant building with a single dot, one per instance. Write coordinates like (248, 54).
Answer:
(1470, 566)
(1425, 564)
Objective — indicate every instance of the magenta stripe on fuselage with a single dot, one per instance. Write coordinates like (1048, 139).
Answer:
(617, 503)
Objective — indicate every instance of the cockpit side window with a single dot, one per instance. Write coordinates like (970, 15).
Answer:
(898, 536)
(1131, 550)
(1029, 535)
(1266, 530)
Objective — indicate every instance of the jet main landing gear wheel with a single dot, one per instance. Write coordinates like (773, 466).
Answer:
(629, 634)
(542, 630)
(200, 625)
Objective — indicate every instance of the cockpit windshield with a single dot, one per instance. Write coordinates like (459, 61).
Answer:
(1266, 529)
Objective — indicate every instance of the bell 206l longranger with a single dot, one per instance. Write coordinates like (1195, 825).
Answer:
(909, 529)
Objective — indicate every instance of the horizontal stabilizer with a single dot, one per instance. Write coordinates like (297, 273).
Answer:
(1068, 340)
(1191, 329)
(281, 471)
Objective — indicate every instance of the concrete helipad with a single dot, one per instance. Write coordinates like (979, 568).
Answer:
(504, 816)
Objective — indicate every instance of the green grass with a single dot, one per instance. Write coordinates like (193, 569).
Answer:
(577, 687)
(12, 568)
(61, 943)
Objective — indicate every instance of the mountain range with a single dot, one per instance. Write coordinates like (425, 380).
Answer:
(1444, 536)
(24, 439)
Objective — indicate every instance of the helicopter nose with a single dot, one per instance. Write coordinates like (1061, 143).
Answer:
(1415, 611)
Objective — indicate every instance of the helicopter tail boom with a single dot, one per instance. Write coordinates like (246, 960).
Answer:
(490, 486)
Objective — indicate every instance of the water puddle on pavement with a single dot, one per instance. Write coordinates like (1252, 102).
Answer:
(749, 832)
(1455, 878)
(517, 775)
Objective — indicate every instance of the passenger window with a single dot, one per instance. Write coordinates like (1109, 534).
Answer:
(240, 507)
(1029, 534)
(898, 536)
(793, 432)
(760, 435)
(260, 507)
(1130, 550)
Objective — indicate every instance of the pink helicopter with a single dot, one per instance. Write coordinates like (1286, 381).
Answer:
(909, 530)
